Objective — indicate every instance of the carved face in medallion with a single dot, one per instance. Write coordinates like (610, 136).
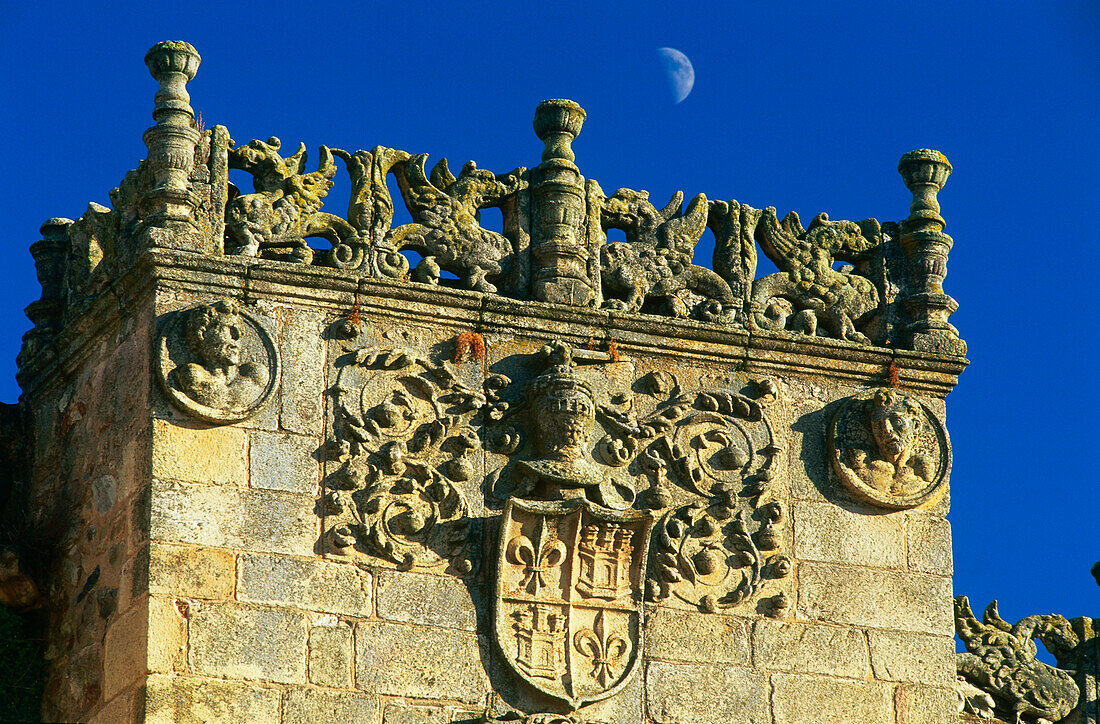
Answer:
(894, 423)
(220, 340)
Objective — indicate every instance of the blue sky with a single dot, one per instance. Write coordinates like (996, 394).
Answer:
(804, 106)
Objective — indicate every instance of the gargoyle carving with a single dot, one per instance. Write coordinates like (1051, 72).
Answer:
(285, 209)
(1000, 660)
(654, 263)
(809, 295)
(446, 227)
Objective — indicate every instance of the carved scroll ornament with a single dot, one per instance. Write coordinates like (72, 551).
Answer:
(217, 362)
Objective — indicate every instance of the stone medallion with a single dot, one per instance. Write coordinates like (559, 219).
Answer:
(569, 592)
(889, 449)
(216, 362)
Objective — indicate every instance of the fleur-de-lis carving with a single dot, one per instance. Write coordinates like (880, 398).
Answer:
(605, 648)
(538, 557)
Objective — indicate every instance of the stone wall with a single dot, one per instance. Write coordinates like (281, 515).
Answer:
(598, 483)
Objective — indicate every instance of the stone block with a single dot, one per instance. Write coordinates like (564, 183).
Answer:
(801, 699)
(224, 517)
(303, 385)
(260, 644)
(190, 700)
(876, 598)
(281, 461)
(311, 583)
(918, 658)
(810, 648)
(124, 654)
(705, 694)
(915, 704)
(700, 638)
(119, 710)
(330, 656)
(167, 648)
(188, 572)
(316, 706)
(929, 544)
(402, 714)
(431, 600)
(826, 532)
(202, 454)
(426, 663)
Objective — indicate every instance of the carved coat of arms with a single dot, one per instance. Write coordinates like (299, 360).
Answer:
(568, 599)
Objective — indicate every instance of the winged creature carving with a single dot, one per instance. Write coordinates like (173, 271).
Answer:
(655, 261)
(1000, 660)
(285, 209)
(809, 294)
(446, 227)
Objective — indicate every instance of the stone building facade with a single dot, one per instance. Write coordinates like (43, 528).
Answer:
(283, 475)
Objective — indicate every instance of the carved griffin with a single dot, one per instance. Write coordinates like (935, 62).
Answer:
(1000, 660)
(809, 294)
(285, 209)
(446, 227)
(654, 263)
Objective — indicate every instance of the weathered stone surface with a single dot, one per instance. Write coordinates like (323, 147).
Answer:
(929, 546)
(423, 599)
(429, 663)
(704, 694)
(919, 658)
(119, 710)
(330, 655)
(314, 706)
(258, 520)
(305, 583)
(915, 704)
(881, 599)
(167, 644)
(124, 649)
(402, 714)
(810, 648)
(258, 644)
(190, 572)
(696, 637)
(800, 699)
(303, 378)
(191, 700)
(826, 532)
(280, 461)
(200, 453)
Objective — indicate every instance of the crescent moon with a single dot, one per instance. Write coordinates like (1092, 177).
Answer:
(678, 71)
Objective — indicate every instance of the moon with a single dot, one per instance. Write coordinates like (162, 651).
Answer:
(678, 71)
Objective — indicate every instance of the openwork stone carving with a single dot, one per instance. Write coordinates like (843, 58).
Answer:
(1000, 661)
(890, 450)
(808, 293)
(217, 362)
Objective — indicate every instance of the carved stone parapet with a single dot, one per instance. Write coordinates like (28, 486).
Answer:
(926, 248)
(560, 244)
(172, 141)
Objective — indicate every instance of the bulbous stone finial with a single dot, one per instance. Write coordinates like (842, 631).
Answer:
(173, 63)
(557, 123)
(924, 172)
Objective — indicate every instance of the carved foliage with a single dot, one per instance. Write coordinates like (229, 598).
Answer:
(1000, 661)
(404, 437)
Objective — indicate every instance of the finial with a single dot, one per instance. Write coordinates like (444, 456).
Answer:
(557, 123)
(924, 172)
(173, 64)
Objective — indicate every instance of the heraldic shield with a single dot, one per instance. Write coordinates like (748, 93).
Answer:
(570, 581)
